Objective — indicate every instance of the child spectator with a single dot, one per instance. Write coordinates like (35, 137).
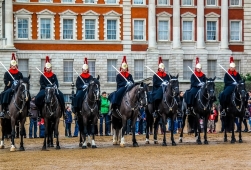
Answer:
(33, 118)
(41, 128)
(211, 120)
(68, 121)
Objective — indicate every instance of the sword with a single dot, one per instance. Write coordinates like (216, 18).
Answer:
(194, 74)
(79, 76)
(44, 76)
(155, 73)
(120, 73)
(227, 72)
(7, 70)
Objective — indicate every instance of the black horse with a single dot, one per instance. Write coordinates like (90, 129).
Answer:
(88, 117)
(168, 107)
(203, 104)
(17, 110)
(134, 97)
(236, 108)
(51, 112)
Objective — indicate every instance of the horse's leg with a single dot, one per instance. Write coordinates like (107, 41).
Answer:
(56, 133)
(205, 129)
(22, 134)
(148, 125)
(84, 145)
(197, 129)
(13, 124)
(46, 124)
(240, 138)
(172, 129)
(155, 128)
(122, 142)
(233, 140)
(94, 122)
(3, 132)
(135, 144)
(182, 126)
(164, 122)
(80, 125)
(53, 132)
(225, 128)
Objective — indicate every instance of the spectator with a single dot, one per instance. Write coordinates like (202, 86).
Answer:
(137, 126)
(41, 128)
(179, 115)
(68, 121)
(211, 120)
(33, 118)
(216, 118)
(142, 122)
(249, 109)
(76, 126)
(105, 104)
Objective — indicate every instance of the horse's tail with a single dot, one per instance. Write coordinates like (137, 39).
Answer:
(228, 122)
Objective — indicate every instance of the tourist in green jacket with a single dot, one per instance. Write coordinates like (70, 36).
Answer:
(104, 109)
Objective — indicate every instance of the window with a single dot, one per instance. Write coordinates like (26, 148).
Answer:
(42, 65)
(68, 70)
(91, 66)
(211, 68)
(67, 28)
(67, 98)
(111, 29)
(163, 2)
(211, 30)
(90, 22)
(23, 66)
(138, 2)
(111, 72)
(237, 65)
(22, 1)
(45, 0)
(67, 1)
(186, 71)
(166, 64)
(211, 2)
(22, 27)
(89, 1)
(111, 2)
(235, 3)
(235, 31)
(187, 2)
(138, 30)
(187, 31)
(90, 29)
(138, 69)
(163, 30)
(45, 28)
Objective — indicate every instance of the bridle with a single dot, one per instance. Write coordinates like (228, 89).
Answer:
(53, 100)
(24, 96)
(200, 95)
(240, 99)
(95, 93)
(172, 95)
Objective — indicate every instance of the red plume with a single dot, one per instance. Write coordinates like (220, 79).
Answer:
(13, 57)
(47, 59)
(160, 60)
(85, 61)
(197, 60)
(124, 60)
(231, 59)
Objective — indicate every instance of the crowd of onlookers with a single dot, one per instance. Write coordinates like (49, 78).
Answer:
(104, 126)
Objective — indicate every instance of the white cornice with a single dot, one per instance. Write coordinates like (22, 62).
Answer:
(112, 13)
(23, 12)
(212, 15)
(90, 13)
(68, 12)
(45, 12)
(188, 15)
(164, 14)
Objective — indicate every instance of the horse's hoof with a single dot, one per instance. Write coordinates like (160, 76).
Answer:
(84, 147)
(51, 145)
(173, 144)
(1, 146)
(199, 142)
(240, 141)
(147, 142)
(206, 142)
(12, 149)
(233, 141)
(156, 142)
(80, 144)
(180, 141)
(122, 145)
(89, 144)
(44, 148)
(94, 146)
(225, 140)
(135, 144)
(21, 149)
(164, 144)
(115, 143)
(58, 147)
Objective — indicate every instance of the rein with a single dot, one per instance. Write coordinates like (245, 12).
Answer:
(239, 108)
(171, 105)
(94, 102)
(20, 110)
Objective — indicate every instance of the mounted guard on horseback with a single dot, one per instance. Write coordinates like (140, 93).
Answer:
(10, 84)
(197, 80)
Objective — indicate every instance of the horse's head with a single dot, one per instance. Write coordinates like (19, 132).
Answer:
(174, 84)
(94, 88)
(142, 94)
(210, 87)
(50, 94)
(22, 88)
(241, 90)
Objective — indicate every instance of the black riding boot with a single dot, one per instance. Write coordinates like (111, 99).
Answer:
(2, 114)
(188, 110)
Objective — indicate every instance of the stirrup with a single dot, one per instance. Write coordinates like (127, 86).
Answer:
(223, 113)
(110, 112)
(188, 111)
(2, 114)
(155, 114)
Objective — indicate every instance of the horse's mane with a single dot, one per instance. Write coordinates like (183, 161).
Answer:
(26, 80)
(131, 87)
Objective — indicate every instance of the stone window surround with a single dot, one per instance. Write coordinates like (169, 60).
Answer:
(240, 4)
(216, 4)
(168, 3)
(188, 16)
(213, 17)
(22, 13)
(181, 4)
(68, 14)
(90, 15)
(240, 34)
(112, 15)
(164, 16)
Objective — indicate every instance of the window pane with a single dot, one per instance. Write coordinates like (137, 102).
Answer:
(163, 2)
(44, 0)
(137, 1)
(68, 70)
(111, 73)
(237, 65)
(235, 2)
(67, 98)
(211, 68)
(186, 71)
(111, 29)
(187, 30)
(211, 30)
(21, 0)
(163, 30)
(138, 30)
(67, 28)
(23, 67)
(45, 30)
(67, 1)
(89, 1)
(166, 63)
(22, 27)
(111, 1)
(91, 65)
(211, 2)
(235, 31)
(90, 29)
(138, 69)
(187, 2)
